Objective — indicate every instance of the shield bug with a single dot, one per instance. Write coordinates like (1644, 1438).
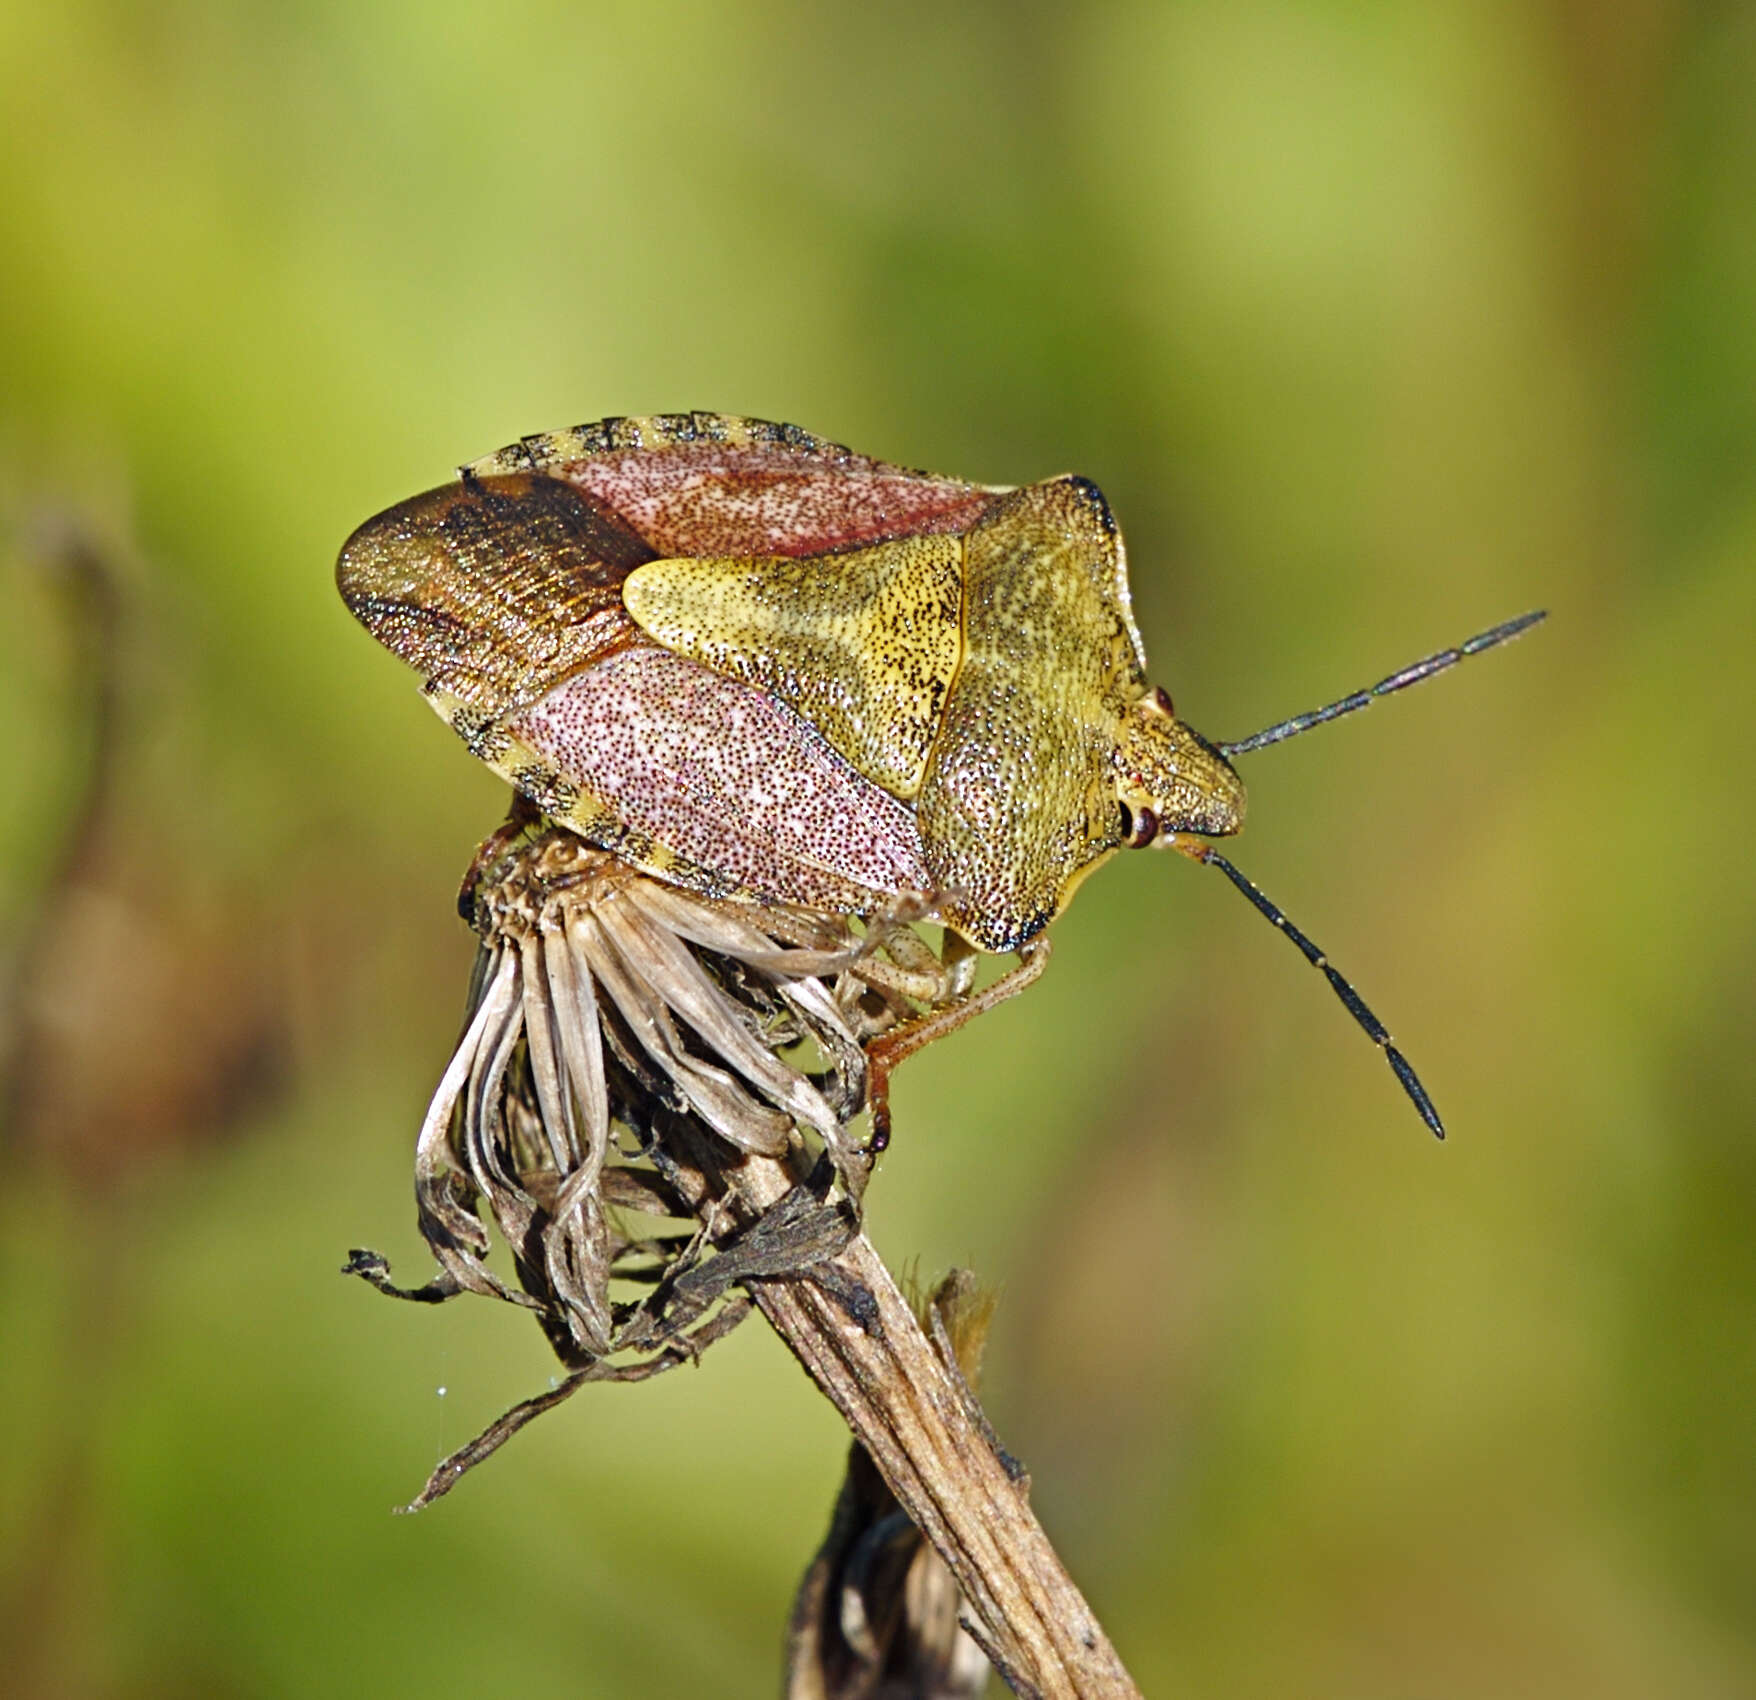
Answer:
(756, 664)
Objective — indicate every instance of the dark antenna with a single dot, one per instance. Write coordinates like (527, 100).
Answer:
(1411, 675)
(1356, 1005)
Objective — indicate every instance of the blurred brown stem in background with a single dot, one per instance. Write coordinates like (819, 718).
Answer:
(133, 1029)
(87, 583)
(140, 1015)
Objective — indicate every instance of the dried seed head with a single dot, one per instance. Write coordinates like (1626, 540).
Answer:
(600, 1003)
(614, 1025)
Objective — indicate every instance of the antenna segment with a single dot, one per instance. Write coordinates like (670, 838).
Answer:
(1376, 1031)
(1398, 681)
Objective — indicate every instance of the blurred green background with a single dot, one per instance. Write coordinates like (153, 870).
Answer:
(1377, 323)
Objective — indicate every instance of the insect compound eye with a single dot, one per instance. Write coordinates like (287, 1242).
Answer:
(1139, 826)
(1163, 698)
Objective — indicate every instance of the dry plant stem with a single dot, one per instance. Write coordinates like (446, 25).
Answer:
(924, 1432)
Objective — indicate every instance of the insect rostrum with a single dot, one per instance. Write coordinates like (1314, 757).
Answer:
(753, 663)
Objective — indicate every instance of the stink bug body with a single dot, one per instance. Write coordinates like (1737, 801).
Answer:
(756, 664)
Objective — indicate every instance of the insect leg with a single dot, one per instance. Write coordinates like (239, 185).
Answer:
(885, 1052)
(1376, 1031)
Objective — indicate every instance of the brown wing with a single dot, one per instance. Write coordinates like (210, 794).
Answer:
(493, 588)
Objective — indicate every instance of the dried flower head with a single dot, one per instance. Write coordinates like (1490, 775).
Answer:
(623, 1042)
